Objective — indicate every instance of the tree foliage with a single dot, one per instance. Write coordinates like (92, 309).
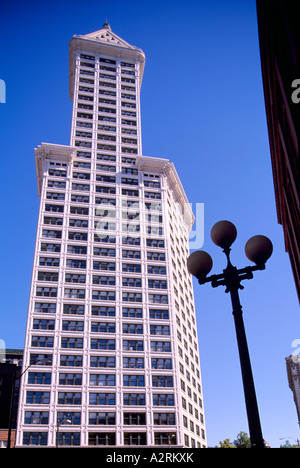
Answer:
(242, 441)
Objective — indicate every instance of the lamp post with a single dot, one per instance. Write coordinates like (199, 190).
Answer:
(14, 379)
(258, 249)
(59, 423)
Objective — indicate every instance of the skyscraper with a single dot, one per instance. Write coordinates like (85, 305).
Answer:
(111, 337)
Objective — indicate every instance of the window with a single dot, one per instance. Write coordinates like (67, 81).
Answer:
(54, 221)
(134, 419)
(158, 299)
(42, 324)
(102, 438)
(70, 379)
(77, 249)
(134, 399)
(36, 417)
(133, 363)
(80, 223)
(104, 311)
(157, 284)
(103, 361)
(38, 398)
(135, 438)
(133, 328)
(131, 254)
(156, 270)
(102, 418)
(159, 314)
(104, 252)
(102, 380)
(159, 330)
(98, 343)
(132, 312)
(71, 343)
(45, 308)
(54, 208)
(69, 398)
(75, 309)
(104, 295)
(132, 282)
(161, 346)
(46, 292)
(74, 278)
(73, 418)
(134, 380)
(35, 438)
(69, 360)
(163, 399)
(39, 378)
(68, 438)
(133, 345)
(72, 325)
(160, 363)
(75, 293)
(49, 261)
(164, 419)
(103, 327)
(42, 341)
(104, 280)
(71, 263)
(79, 210)
(131, 268)
(162, 381)
(102, 399)
(50, 247)
(131, 297)
(165, 438)
(51, 234)
(158, 256)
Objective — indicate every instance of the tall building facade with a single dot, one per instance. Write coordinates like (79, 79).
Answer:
(279, 52)
(293, 373)
(111, 337)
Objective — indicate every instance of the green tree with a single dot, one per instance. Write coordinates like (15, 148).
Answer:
(225, 444)
(289, 445)
(242, 440)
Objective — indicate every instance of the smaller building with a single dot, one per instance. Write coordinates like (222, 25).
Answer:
(10, 372)
(293, 371)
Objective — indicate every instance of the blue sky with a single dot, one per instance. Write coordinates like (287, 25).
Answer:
(203, 108)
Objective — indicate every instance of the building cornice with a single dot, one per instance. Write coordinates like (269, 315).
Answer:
(51, 151)
(165, 167)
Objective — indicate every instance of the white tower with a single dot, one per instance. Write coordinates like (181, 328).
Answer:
(111, 336)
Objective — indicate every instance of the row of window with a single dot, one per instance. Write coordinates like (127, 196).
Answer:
(101, 311)
(103, 266)
(99, 380)
(101, 251)
(101, 327)
(100, 344)
(100, 295)
(100, 418)
(76, 360)
(110, 239)
(99, 399)
(103, 280)
(98, 438)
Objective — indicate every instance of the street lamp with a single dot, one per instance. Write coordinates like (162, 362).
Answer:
(59, 423)
(258, 249)
(14, 379)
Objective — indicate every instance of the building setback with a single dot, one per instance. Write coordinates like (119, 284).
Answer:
(111, 337)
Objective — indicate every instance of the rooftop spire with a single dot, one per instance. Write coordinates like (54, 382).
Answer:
(106, 25)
